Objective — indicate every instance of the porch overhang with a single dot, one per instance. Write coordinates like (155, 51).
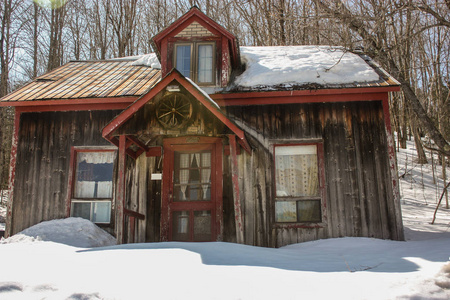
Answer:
(174, 76)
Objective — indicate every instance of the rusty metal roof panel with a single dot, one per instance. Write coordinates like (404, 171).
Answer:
(88, 79)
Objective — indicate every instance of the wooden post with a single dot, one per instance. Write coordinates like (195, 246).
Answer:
(236, 193)
(12, 174)
(120, 199)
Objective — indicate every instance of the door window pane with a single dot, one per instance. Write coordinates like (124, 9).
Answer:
(202, 226)
(192, 176)
(180, 226)
(183, 63)
(205, 63)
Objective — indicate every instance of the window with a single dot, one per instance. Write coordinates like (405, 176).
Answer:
(297, 183)
(92, 185)
(196, 61)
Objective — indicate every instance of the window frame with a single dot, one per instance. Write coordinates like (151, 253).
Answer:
(71, 199)
(321, 193)
(194, 69)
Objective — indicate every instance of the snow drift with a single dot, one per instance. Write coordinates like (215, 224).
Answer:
(75, 232)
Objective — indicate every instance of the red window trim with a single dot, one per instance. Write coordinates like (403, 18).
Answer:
(322, 186)
(72, 172)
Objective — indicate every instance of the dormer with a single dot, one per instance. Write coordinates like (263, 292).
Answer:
(198, 48)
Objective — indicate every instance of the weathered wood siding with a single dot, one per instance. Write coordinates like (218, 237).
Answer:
(43, 158)
(359, 195)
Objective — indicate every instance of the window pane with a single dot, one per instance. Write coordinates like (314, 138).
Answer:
(183, 63)
(102, 212)
(192, 176)
(285, 211)
(309, 211)
(180, 226)
(202, 226)
(94, 175)
(81, 210)
(296, 171)
(205, 63)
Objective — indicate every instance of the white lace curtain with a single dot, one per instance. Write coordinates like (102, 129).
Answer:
(203, 162)
(296, 171)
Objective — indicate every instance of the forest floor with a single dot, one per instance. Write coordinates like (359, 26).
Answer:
(73, 259)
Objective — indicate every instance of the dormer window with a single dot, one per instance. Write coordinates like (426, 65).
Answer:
(196, 61)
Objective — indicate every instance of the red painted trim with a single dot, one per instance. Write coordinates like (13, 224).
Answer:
(71, 178)
(12, 174)
(215, 205)
(71, 102)
(76, 107)
(322, 186)
(154, 151)
(264, 98)
(199, 95)
(185, 20)
(74, 150)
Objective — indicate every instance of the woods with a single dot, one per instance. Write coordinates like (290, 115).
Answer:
(408, 38)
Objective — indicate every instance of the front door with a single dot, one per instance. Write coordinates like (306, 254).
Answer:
(191, 207)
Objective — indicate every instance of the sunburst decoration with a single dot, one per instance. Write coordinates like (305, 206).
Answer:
(174, 110)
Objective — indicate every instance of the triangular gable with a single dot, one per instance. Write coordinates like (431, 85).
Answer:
(193, 89)
(196, 15)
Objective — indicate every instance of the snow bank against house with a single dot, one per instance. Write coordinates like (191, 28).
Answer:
(75, 232)
(299, 65)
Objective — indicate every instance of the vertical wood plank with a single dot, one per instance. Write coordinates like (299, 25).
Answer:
(12, 174)
(120, 197)
(236, 193)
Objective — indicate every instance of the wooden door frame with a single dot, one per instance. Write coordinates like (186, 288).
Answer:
(167, 186)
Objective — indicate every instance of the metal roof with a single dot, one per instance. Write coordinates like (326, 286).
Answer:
(89, 79)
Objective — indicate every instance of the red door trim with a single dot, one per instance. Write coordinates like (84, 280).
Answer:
(167, 187)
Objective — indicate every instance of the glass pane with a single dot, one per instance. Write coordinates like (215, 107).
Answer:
(180, 226)
(205, 63)
(102, 212)
(202, 226)
(309, 211)
(94, 175)
(192, 176)
(183, 64)
(297, 172)
(81, 210)
(285, 211)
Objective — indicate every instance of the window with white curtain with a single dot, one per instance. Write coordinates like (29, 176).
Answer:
(297, 184)
(93, 185)
(192, 176)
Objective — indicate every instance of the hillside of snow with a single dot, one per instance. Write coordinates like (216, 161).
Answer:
(40, 264)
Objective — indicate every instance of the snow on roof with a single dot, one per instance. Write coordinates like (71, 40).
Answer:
(150, 60)
(301, 65)
(75, 232)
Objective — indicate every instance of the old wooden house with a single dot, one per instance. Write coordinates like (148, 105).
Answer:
(208, 141)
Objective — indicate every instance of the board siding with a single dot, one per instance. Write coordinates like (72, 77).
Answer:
(359, 198)
(43, 159)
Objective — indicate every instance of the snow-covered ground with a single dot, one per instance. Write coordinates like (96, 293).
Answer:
(39, 263)
(3, 199)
